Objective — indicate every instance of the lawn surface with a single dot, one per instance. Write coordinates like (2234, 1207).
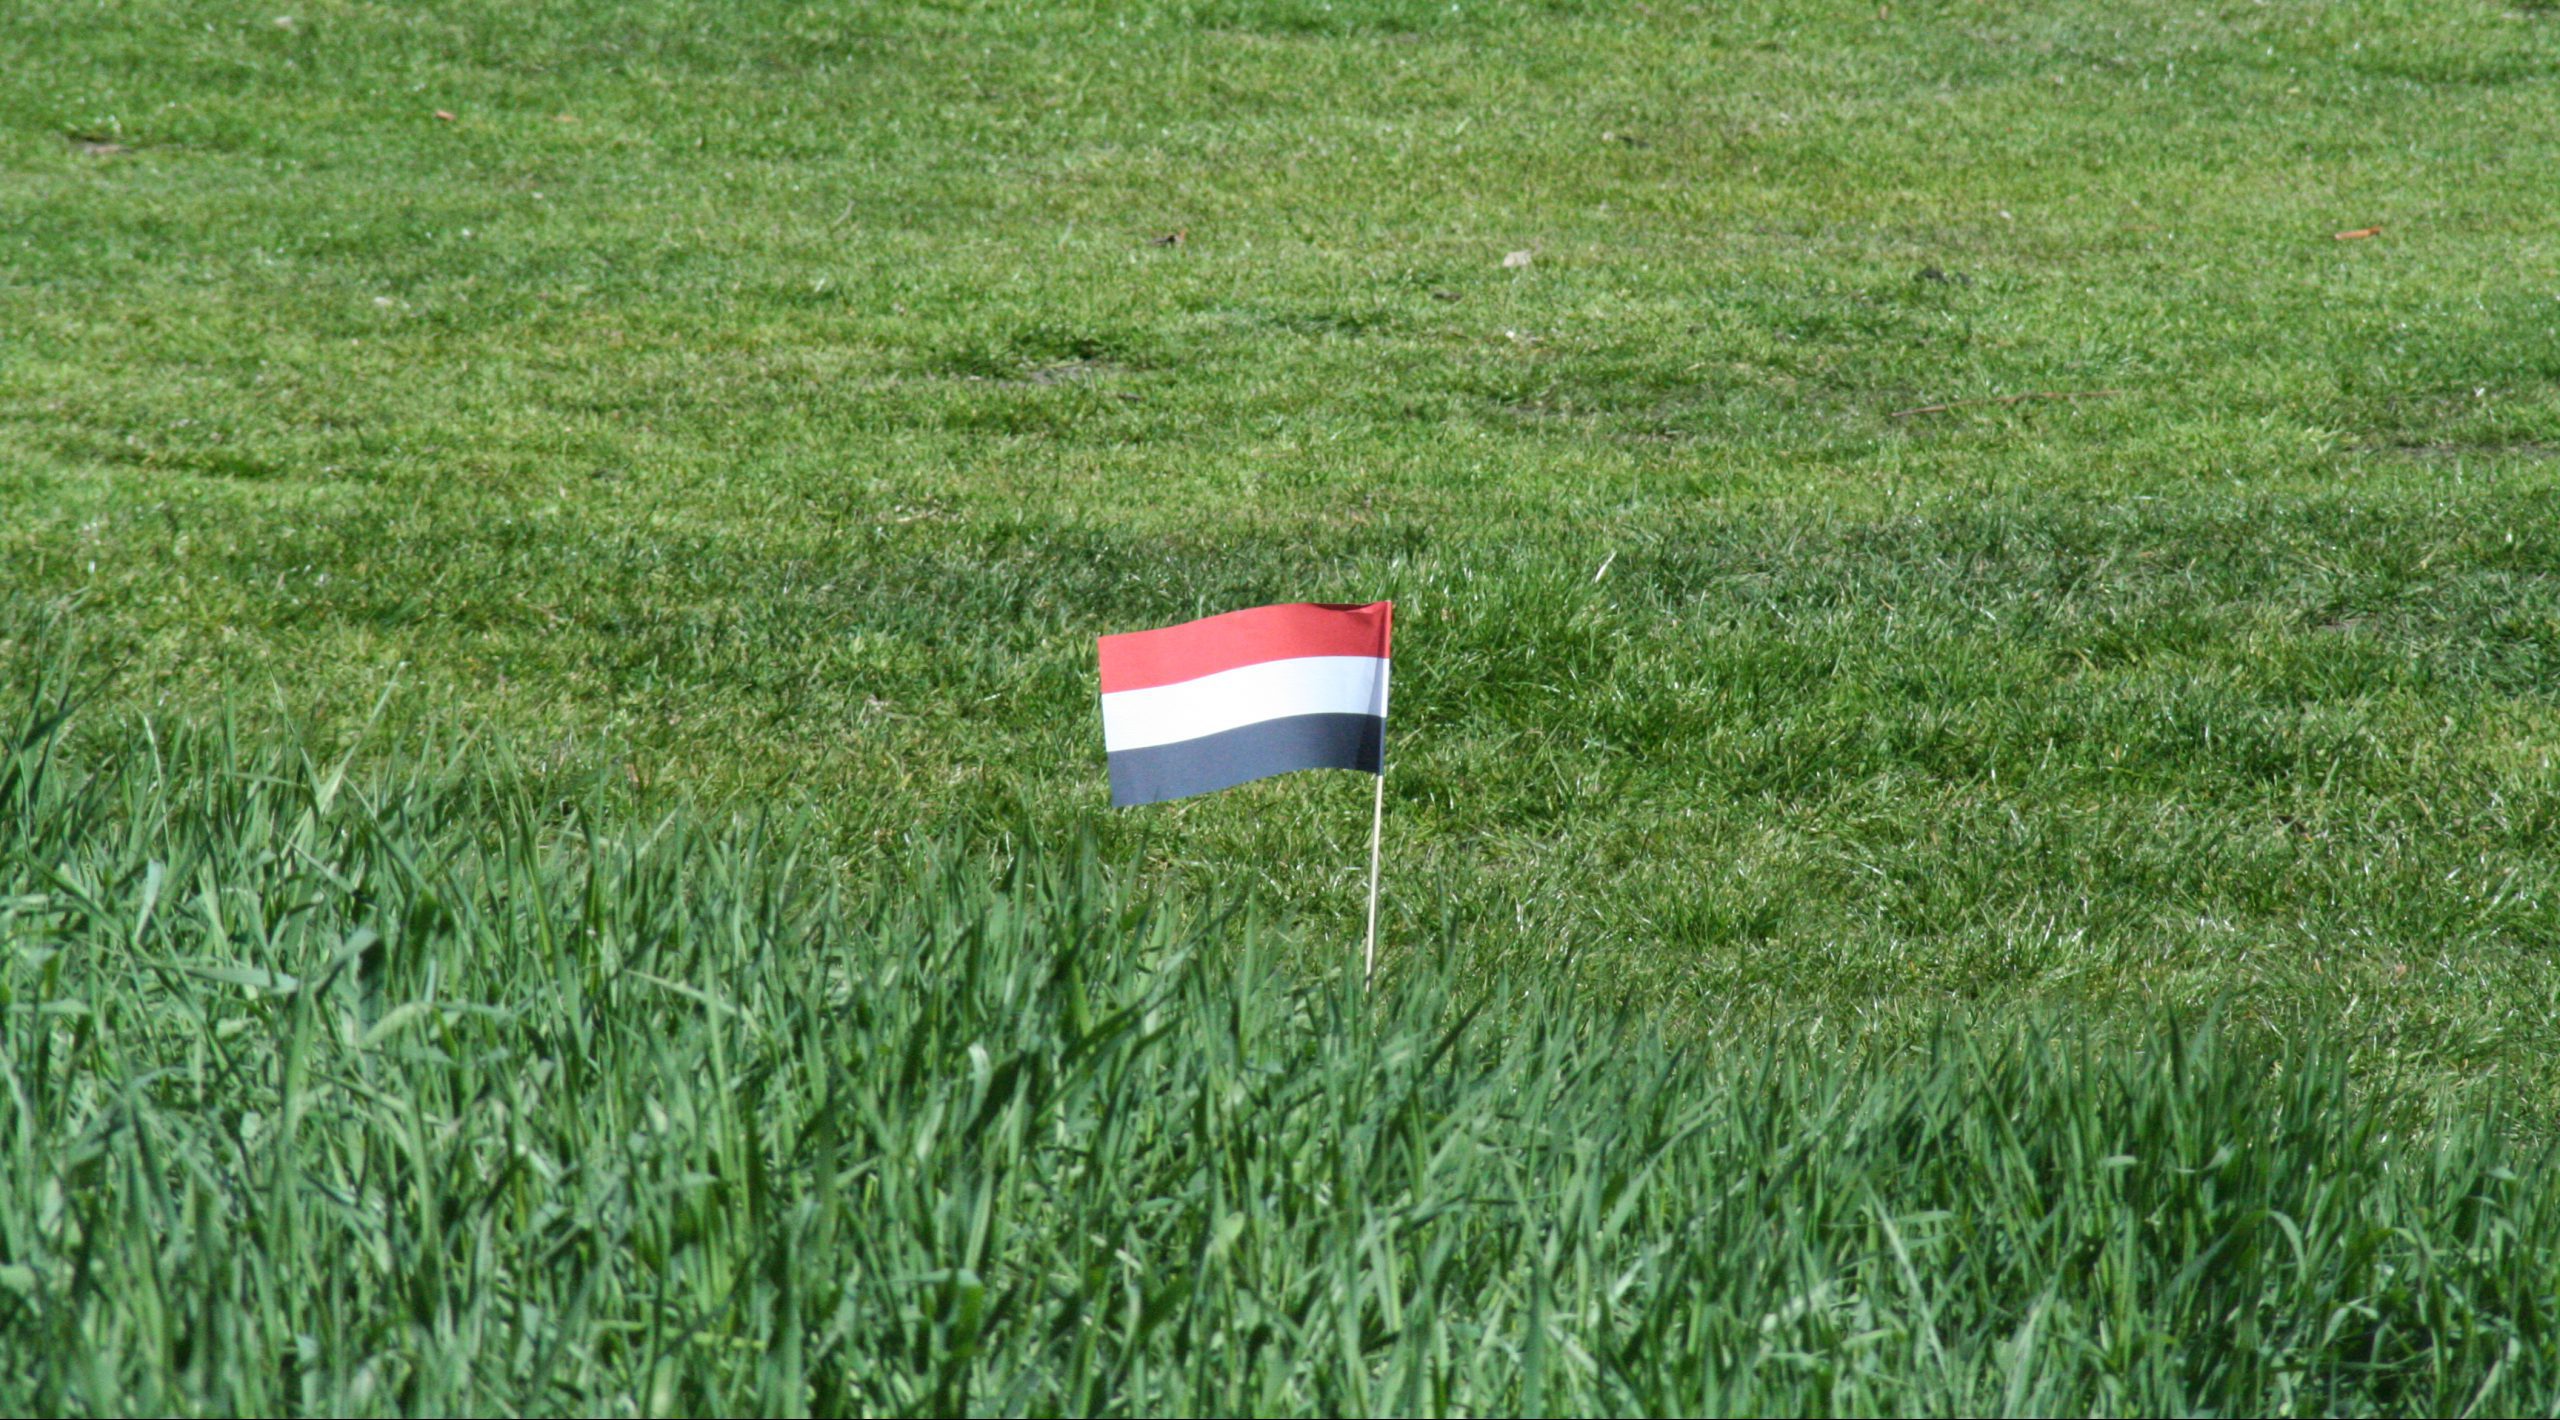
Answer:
(762, 408)
(778, 403)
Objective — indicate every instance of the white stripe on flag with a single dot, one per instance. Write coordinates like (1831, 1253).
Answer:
(1266, 690)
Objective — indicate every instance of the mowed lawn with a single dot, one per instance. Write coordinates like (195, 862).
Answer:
(765, 406)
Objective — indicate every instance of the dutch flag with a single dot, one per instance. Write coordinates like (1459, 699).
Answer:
(1212, 703)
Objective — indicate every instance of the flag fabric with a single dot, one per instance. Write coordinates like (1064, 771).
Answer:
(1213, 703)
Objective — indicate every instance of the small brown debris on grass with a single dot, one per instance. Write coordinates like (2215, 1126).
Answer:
(94, 147)
(1516, 260)
(445, 114)
(2003, 399)
(2359, 234)
(1174, 238)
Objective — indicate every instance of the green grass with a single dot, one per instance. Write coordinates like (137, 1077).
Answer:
(752, 415)
(778, 403)
(411, 1096)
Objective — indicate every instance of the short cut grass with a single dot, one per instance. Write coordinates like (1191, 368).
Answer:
(776, 402)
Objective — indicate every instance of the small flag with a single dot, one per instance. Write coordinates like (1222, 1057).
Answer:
(1213, 703)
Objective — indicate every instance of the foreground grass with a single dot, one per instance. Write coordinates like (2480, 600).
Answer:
(337, 1095)
(777, 403)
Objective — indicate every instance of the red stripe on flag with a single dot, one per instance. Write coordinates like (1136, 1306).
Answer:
(1135, 660)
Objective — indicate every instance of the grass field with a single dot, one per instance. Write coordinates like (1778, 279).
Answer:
(623, 436)
(332, 1097)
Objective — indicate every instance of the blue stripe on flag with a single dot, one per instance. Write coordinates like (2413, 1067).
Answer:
(1255, 751)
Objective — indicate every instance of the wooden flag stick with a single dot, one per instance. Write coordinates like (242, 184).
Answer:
(1377, 823)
